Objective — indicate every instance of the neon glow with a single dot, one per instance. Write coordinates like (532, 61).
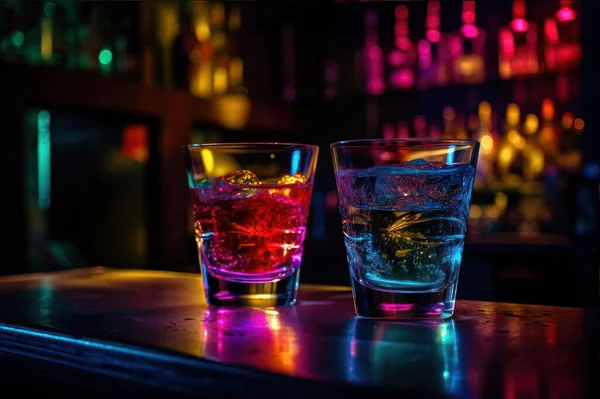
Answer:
(469, 17)
(403, 78)
(424, 49)
(450, 155)
(105, 57)
(551, 31)
(468, 13)
(565, 14)
(401, 12)
(487, 143)
(519, 25)
(295, 162)
(433, 36)
(396, 58)
(470, 31)
(18, 39)
(43, 162)
(518, 10)
(403, 43)
(374, 68)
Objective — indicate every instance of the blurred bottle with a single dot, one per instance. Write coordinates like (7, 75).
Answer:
(472, 127)
(106, 55)
(38, 32)
(402, 130)
(59, 32)
(467, 48)
(14, 46)
(510, 162)
(533, 154)
(93, 43)
(49, 35)
(73, 35)
(460, 128)
(420, 126)
(576, 194)
(562, 46)
(180, 51)
(562, 49)
(388, 132)
(149, 48)
(570, 156)
(124, 58)
(434, 131)
(236, 64)
(549, 132)
(220, 45)
(31, 18)
(449, 115)
(203, 51)
(401, 59)
(234, 24)
(433, 51)
(187, 54)
(485, 162)
(373, 56)
(518, 45)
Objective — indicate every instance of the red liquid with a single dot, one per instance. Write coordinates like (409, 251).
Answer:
(250, 233)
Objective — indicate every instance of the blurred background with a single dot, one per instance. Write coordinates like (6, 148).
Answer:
(99, 97)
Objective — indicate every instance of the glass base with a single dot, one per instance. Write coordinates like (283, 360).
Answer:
(437, 305)
(234, 293)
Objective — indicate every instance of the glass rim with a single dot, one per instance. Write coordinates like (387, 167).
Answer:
(407, 143)
(253, 145)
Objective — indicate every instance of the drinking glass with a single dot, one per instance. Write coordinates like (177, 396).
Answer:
(250, 203)
(404, 207)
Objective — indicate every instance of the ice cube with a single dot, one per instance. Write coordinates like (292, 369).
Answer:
(355, 187)
(453, 189)
(235, 184)
(287, 180)
(421, 164)
(241, 178)
(399, 189)
(296, 178)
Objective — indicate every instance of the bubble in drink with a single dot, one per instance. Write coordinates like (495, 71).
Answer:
(404, 226)
(248, 231)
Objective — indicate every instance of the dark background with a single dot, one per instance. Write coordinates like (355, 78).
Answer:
(120, 204)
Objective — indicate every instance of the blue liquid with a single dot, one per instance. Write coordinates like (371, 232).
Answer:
(404, 226)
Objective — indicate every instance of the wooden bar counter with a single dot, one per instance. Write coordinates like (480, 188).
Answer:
(120, 333)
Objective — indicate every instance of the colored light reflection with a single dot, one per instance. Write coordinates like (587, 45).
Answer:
(43, 159)
(252, 336)
(295, 164)
(374, 348)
